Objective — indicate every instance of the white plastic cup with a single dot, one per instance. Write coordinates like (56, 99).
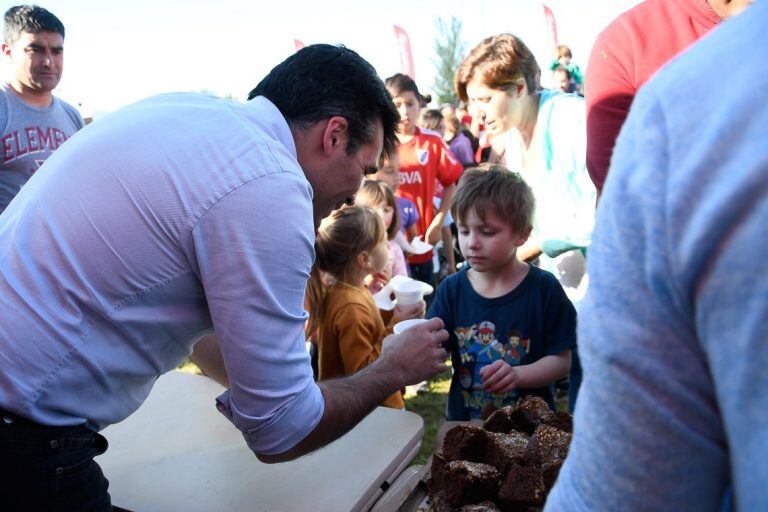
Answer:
(408, 292)
(407, 324)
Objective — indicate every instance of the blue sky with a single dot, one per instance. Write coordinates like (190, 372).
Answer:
(119, 52)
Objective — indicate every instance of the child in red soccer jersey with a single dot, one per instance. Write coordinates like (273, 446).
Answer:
(424, 159)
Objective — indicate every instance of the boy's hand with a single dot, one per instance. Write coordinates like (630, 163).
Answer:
(408, 312)
(499, 377)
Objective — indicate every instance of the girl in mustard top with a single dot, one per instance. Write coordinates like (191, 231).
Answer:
(351, 243)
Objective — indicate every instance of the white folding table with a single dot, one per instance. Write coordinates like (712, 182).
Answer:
(178, 453)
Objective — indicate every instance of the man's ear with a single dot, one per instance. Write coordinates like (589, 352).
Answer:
(335, 135)
(6, 49)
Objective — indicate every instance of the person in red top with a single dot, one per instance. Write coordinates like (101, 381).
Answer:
(424, 159)
(625, 56)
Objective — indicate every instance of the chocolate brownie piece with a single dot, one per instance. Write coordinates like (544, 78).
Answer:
(486, 506)
(439, 503)
(522, 487)
(499, 421)
(551, 443)
(466, 483)
(562, 421)
(522, 421)
(487, 410)
(436, 473)
(465, 442)
(504, 449)
(549, 472)
(535, 406)
(529, 412)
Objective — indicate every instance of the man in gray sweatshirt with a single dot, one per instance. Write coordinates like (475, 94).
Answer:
(33, 123)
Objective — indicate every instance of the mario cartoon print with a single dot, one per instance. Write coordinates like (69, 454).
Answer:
(518, 347)
(480, 346)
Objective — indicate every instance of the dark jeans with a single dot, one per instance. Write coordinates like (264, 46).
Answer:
(46, 468)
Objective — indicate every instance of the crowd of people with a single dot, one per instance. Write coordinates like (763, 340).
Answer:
(251, 230)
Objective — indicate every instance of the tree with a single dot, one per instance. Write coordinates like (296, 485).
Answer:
(449, 51)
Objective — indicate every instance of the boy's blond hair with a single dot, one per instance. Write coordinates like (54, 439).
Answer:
(495, 188)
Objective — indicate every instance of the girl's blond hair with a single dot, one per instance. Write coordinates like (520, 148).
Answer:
(374, 192)
(340, 238)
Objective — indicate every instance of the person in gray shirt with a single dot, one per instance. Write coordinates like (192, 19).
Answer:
(33, 123)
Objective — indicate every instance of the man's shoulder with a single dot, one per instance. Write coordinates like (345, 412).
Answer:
(717, 54)
(70, 110)
(66, 105)
(636, 19)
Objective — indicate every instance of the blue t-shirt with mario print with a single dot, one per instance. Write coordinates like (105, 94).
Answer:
(534, 320)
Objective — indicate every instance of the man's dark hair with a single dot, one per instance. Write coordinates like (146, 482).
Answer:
(322, 81)
(29, 18)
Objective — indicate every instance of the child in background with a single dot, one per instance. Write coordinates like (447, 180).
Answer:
(377, 196)
(350, 244)
(511, 325)
(563, 80)
(459, 140)
(562, 59)
(424, 158)
(431, 119)
(389, 173)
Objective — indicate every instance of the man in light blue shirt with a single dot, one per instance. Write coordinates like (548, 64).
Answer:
(175, 215)
(673, 410)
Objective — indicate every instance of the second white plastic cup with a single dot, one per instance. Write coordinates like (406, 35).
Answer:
(407, 324)
(408, 292)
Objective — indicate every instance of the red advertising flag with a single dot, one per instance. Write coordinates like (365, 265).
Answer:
(299, 45)
(550, 17)
(406, 58)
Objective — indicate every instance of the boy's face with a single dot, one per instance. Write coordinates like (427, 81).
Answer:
(408, 107)
(488, 244)
(389, 173)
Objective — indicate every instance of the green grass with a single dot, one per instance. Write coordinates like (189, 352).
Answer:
(430, 405)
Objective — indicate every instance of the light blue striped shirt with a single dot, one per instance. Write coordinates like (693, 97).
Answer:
(146, 229)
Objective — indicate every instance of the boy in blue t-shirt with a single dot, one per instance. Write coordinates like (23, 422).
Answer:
(511, 325)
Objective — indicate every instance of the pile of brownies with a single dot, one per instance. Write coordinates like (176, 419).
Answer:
(508, 464)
